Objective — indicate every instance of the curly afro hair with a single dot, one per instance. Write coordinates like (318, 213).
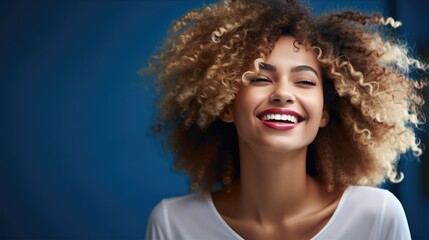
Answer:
(373, 102)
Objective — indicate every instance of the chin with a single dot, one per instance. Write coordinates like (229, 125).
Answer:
(282, 146)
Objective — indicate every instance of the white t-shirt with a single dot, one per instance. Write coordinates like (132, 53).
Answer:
(362, 213)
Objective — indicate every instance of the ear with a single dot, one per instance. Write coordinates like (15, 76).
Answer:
(325, 119)
(226, 115)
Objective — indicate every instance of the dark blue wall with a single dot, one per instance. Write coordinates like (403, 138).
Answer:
(77, 156)
(411, 192)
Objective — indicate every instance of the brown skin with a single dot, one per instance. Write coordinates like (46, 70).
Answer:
(304, 221)
(275, 198)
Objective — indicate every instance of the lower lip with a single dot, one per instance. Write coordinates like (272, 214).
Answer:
(280, 126)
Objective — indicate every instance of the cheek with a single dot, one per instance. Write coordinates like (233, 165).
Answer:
(320, 106)
(244, 109)
(314, 104)
(245, 94)
(238, 105)
(246, 101)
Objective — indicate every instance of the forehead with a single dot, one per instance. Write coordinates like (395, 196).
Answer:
(288, 53)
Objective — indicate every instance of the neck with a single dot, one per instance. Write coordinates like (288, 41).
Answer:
(272, 185)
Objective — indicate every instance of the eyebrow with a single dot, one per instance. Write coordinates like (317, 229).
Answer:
(267, 67)
(300, 68)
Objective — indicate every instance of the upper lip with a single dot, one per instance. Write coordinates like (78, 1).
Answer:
(281, 111)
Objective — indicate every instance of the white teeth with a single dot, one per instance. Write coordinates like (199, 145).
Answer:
(280, 117)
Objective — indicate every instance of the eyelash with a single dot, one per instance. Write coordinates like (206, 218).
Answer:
(307, 82)
(265, 79)
(260, 79)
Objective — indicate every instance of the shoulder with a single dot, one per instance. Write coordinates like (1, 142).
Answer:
(191, 203)
(364, 195)
(367, 213)
(171, 207)
(372, 200)
(176, 214)
(390, 204)
(379, 209)
(367, 190)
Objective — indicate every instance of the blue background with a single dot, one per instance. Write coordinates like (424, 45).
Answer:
(78, 159)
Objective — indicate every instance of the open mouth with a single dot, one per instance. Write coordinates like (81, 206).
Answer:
(280, 119)
(284, 118)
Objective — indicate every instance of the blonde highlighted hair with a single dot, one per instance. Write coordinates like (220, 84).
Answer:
(373, 102)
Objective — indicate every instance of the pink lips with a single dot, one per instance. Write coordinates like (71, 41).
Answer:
(281, 125)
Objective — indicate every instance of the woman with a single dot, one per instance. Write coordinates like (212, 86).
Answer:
(285, 122)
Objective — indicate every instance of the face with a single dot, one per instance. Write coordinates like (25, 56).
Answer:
(281, 109)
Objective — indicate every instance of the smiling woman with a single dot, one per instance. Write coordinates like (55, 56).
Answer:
(287, 85)
(284, 122)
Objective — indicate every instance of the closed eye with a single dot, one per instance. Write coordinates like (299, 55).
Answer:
(260, 79)
(307, 82)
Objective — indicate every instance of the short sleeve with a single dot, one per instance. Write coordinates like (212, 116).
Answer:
(393, 222)
(157, 227)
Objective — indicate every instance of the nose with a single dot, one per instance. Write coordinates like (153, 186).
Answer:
(282, 96)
